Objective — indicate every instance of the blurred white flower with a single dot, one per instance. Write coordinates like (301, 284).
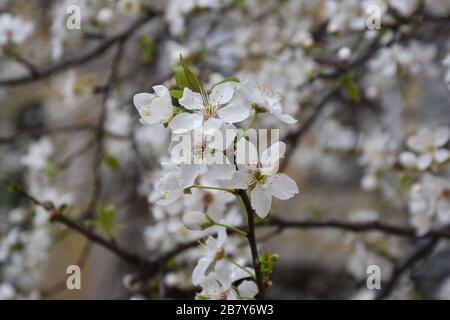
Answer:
(105, 15)
(444, 290)
(154, 108)
(14, 29)
(38, 154)
(129, 7)
(344, 54)
(429, 143)
(405, 8)
(7, 291)
(408, 159)
(429, 203)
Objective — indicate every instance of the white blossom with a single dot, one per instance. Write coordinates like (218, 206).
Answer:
(218, 284)
(214, 108)
(14, 29)
(154, 108)
(429, 144)
(265, 98)
(38, 154)
(260, 174)
(429, 203)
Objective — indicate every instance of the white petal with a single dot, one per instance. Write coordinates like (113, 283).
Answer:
(443, 210)
(286, 118)
(142, 99)
(282, 187)
(211, 125)
(441, 155)
(233, 113)
(200, 269)
(191, 100)
(222, 273)
(188, 173)
(161, 91)
(185, 122)
(248, 289)
(270, 157)
(246, 153)
(238, 181)
(222, 93)
(420, 141)
(261, 201)
(223, 136)
(424, 161)
(222, 171)
(441, 136)
(408, 159)
(221, 236)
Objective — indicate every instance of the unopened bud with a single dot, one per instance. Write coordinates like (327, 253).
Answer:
(196, 220)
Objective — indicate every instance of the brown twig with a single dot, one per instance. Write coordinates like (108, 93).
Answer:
(419, 254)
(99, 50)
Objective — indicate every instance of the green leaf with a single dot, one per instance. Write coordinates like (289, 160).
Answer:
(180, 77)
(106, 219)
(52, 168)
(111, 161)
(186, 78)
(266, 264)
(348, 83)
(177, 94)
(148, 49)
(228, 79)
(191, 77)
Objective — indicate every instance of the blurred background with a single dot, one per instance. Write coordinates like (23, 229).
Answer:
(360, 81)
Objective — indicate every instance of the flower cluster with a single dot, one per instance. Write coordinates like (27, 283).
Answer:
(204, 188)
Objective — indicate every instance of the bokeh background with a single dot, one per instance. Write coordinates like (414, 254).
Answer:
(69, 133)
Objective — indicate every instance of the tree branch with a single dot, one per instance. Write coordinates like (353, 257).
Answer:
(99, 50)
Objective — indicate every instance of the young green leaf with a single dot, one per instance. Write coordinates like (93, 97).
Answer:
(266, 264)
(180, 77)
(111, 161)
(191, 77)
(106, 219)
(177, 94)
(148, 49)
(228, 79)
(52, 168)
(347, 82)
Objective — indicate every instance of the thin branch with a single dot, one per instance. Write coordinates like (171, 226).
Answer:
(65, 129)
(419, 254)
(354, 227)
(99, 50)
(97, 187)
(56, 215)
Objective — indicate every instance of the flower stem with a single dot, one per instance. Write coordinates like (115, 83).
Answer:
(250, 123)
(252, 241)
(212, 188)
(240, 267)
(237, 230)
(252, 120)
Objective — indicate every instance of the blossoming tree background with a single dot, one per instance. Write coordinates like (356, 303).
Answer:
(91, 177)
